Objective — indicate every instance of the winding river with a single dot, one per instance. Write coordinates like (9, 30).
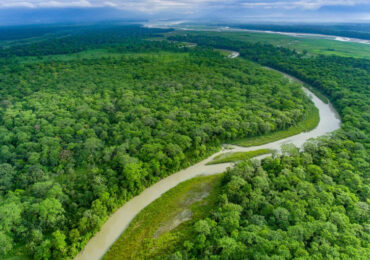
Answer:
(292, 34)
(305, 35)
(119, 221)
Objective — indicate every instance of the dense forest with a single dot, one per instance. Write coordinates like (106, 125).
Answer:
(303, 204)
(31, 31)
(77, 40)
(344, 80)
(78, 138)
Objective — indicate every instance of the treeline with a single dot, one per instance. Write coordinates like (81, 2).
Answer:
(79, 138)
(147, 46)
(9, 33)
(355, 31)
(81, 39)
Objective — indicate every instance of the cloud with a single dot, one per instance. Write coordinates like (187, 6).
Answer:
(80, 3)
(194, 5)
(301, 4)
(17, 4)
(162, 5)
(209, 10)
(55, 4)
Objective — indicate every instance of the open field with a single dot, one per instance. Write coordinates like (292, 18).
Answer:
(239, 156)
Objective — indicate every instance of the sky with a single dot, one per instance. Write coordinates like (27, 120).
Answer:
(206, 10)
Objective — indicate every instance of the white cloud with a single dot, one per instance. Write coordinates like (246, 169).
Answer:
(159, 5)
(110, 4)
(304, 4)
(81, 3)
(152, 6)
(56, 3)
(17, 4)
(142, 5)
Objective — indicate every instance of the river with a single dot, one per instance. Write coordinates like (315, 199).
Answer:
(306, 35)
(119, 221)
(292, 34)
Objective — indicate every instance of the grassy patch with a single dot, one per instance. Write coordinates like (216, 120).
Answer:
(167, 222)
(311, 120)
(238, 156)
(223, 52)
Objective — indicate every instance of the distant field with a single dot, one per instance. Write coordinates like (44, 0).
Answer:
(313, 46)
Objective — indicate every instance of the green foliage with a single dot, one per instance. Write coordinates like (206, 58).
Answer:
(304, 209)
(308, 204)
(80, 136)
(73, 40)
(238, 156)
(6, 243)
(310, 121)
(345, 81)
(7, 174)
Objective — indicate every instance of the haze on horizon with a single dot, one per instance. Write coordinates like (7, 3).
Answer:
(14, 12)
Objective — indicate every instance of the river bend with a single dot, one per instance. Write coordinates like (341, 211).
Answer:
(119, 221)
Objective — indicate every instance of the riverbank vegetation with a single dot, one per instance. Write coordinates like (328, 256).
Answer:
(81, 135)
(159, 228)
(310, 121)
(238, 156)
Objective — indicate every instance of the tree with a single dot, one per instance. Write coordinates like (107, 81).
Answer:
(50, 213)
(11, 216)
(202, 227)
(43, 251)
(59, 245)
(228, 247)
(7, 174)
(6, 243)
(281, 217)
